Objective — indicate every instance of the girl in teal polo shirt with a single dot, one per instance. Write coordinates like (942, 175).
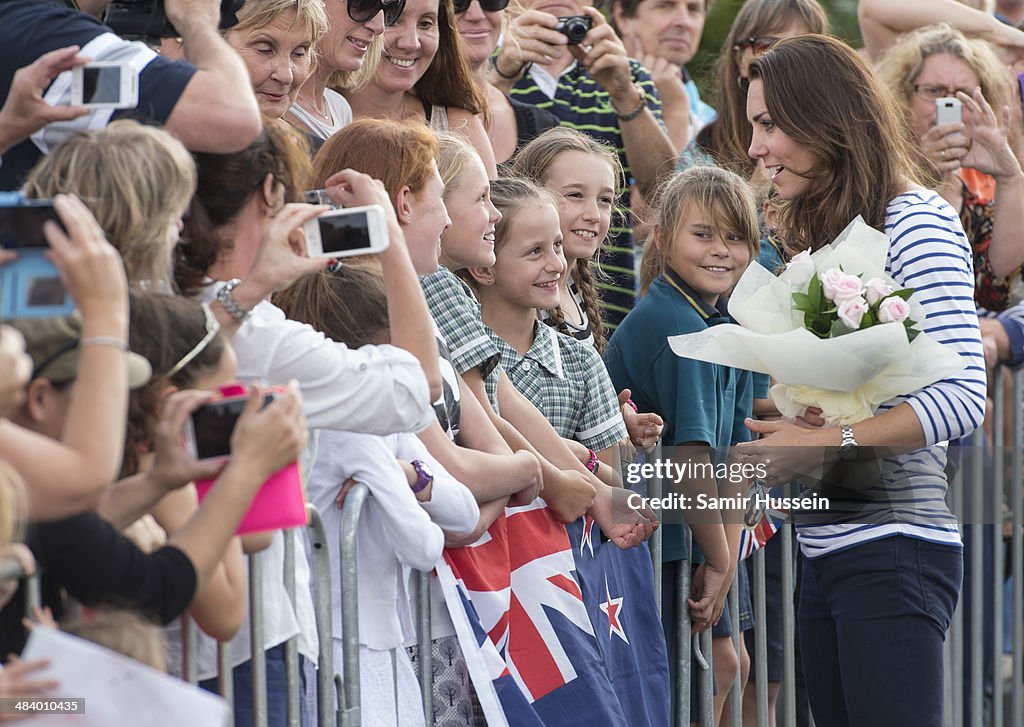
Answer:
(705, 237)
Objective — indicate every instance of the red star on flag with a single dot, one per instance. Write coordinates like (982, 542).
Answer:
(612, 607)
(585, 538)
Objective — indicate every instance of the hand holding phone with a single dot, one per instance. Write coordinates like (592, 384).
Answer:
(948, 111)
(347, 232)
(30, 284)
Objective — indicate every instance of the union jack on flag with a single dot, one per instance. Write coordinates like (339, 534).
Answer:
(557, 626)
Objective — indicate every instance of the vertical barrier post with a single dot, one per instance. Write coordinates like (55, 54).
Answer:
(977, 489)
(321, 570)
(735, 695)
(707, 679)
(189, 649)
(998, 496)
(354, 502)
(225, 678)
(256, 640)
(1017, 548)
(291, 646)
(684, 652)
(760, 639)
(788, 626)
(426, 653)
(956, 631)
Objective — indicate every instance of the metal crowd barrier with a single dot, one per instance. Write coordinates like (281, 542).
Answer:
(985, 699)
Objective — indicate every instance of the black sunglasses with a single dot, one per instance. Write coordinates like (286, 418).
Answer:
(362, 11)
(757, 43)
(489, 6)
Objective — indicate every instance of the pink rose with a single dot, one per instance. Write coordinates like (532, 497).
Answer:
(852, 311)
(848, 287)
(893, 310)
(876, 289)
(828, 282)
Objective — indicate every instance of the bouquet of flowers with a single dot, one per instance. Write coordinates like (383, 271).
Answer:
(832, 329)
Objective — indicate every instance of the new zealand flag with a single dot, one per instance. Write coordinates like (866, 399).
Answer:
(558, 627)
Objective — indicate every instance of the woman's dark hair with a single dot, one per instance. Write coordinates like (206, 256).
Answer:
(826, 98)
(346, 304)
(448, 80)
(164, 329)
(226, 184)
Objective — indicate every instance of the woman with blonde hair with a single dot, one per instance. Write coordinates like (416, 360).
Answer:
(136, 180)
(972, 163)
(277, 40)
(347, 56)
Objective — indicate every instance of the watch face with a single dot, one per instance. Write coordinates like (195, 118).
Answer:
(847, 451)
(423, 470)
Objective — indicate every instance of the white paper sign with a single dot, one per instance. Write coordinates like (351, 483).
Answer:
(118, 691)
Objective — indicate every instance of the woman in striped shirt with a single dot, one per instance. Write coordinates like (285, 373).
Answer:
(883, 565)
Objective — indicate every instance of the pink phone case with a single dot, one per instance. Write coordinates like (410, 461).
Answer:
(280, 502)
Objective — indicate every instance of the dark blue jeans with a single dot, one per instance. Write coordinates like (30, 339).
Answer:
(277, 691)
(872, 623)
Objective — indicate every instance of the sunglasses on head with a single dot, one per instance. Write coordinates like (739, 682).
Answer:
(488, 6)
(362, 11)
(757, 43)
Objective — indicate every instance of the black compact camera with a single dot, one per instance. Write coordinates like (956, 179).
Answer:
(574, 27)
(147, 19)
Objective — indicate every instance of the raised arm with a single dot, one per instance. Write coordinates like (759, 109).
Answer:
(882, 21)
(217, 111)
(69, 476)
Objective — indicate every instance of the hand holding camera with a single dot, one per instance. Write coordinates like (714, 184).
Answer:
(89, 266)
(604, 56)
(269, 436)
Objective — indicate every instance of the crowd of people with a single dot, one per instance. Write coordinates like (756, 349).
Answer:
(558, 200)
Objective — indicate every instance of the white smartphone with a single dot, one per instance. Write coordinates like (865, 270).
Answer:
(105, 85)
(948, 111)
(208, 430)
(347, 232)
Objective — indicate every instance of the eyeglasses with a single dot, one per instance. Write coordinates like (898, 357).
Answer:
(212, 329)
(929, 92)
(362, 11)
(488, 6)
(757, 43)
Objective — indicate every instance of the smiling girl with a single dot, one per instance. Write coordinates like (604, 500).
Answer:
(706, 235)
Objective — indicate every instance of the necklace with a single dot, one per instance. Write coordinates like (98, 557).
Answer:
(311, 107)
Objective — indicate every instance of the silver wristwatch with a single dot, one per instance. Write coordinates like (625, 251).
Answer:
(226, 299)
(848, 445)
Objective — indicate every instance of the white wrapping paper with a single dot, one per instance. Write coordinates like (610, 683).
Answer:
(846, 377)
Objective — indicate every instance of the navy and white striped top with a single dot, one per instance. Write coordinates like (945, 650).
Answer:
(929, 252)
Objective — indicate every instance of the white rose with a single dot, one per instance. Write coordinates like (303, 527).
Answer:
(852, 311)
(848, 287)
(876, 289)
(893, 310)
(800, 269)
